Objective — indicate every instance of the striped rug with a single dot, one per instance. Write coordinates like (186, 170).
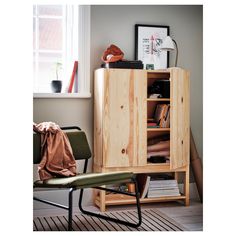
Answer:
(152, 220)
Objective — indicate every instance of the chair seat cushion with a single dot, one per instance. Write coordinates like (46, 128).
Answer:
(85, 180)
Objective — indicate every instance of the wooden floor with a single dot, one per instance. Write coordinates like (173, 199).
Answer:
(190, 217)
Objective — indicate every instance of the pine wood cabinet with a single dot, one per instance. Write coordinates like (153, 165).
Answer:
(122, 108)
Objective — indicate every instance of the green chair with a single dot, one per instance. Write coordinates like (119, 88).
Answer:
(84, 180)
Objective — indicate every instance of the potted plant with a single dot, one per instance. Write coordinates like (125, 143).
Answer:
(56, 85)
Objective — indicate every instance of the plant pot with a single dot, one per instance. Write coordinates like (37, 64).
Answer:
(56, 86)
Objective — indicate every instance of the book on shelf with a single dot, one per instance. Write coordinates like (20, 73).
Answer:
(73, 77)
(143, 184)
(165, 121)
(163, 183)
(154, 188)
(152, 125)
(157, 186)
(162, 115)
(163, 187)
(159, 113)
(76, 81)
(163, 193)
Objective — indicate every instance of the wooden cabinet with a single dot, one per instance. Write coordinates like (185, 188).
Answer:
(122, 108)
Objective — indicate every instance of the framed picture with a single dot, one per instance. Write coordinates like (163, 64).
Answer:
(148, 39)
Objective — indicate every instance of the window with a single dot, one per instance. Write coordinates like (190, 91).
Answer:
(61, 35)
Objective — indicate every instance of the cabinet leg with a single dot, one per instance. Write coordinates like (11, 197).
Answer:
(102, 201)
(186, 186)
(176, 176)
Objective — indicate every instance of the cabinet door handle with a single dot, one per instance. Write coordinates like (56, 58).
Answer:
(123, 151)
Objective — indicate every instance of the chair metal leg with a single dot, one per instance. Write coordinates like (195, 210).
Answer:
(137, 195)
(70, 209)
(135, 225)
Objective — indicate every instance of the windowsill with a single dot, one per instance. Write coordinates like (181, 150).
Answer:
(62, 95)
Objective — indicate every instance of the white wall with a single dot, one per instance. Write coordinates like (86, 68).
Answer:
(115, 24)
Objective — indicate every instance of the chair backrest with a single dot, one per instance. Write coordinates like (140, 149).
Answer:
(78, 142)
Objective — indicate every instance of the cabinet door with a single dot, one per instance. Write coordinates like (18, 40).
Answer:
(124, 123)
(180, 126)
(98, 116)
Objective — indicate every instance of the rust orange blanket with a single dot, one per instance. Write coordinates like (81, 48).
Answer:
(57, 156)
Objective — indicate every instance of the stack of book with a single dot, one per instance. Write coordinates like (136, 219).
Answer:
(157, 186)
(163, 188)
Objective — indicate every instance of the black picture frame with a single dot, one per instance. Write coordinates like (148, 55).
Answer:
(148, 39)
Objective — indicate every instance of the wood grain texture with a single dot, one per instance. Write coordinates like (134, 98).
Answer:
(98, 116)
(121, 110)
(118, 149)
(179, 116)
(186, 186)
(140, 118)
(148, 168)
(124, 118)
(118, 199)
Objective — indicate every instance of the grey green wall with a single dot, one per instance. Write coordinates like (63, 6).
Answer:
(115, 24)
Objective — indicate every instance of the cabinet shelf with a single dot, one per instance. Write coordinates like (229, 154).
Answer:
(119, 199)
(158, 75)
(157, 129)
(158, 164)
(158, 99)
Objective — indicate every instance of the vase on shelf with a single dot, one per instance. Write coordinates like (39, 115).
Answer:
(56, 86)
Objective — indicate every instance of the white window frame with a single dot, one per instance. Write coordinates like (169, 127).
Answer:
(80, 51)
